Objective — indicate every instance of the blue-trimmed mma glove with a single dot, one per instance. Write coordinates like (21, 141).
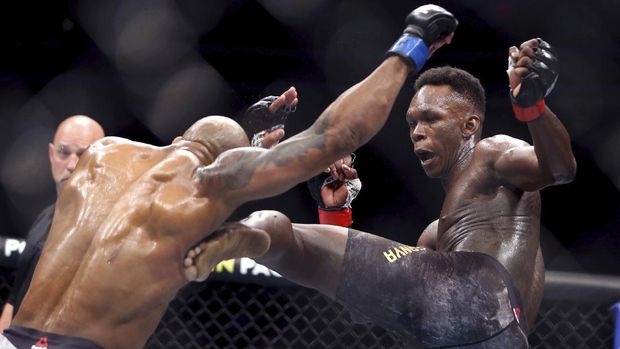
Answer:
(425, 25)
(258, 120)
(529, 104)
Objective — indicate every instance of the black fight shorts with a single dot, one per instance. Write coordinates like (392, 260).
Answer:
(437, 299)
(29, 338)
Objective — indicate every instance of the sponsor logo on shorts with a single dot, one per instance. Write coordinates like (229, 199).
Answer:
(40, 344)
(395, 253)
(517, 312)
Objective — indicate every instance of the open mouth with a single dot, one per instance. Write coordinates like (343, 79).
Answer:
(424, 155)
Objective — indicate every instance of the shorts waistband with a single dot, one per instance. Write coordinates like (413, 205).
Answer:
(25, 337)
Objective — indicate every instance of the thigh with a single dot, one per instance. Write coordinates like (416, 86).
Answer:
(440, 299)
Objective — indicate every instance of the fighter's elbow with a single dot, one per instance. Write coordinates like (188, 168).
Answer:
(343, 139)
(351, 127)
(565, 174)
(351, 139)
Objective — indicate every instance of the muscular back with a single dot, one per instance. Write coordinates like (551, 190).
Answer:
(482, 213)
(123, 222)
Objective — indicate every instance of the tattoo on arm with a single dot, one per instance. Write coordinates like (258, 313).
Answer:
(234, 169)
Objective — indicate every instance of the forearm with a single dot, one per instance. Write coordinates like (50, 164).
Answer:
(344, 126)
(552, 147)
(361, 111)
(347, 124)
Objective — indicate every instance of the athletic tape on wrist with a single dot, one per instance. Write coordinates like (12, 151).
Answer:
(529, 113)
(337, 216)
(412, 47)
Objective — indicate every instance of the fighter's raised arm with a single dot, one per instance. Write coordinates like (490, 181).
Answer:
(352, 120)
(532, 73)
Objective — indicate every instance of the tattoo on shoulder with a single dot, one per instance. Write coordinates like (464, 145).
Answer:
(224, 172)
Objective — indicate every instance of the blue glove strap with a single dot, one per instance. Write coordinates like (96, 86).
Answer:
(412, 47)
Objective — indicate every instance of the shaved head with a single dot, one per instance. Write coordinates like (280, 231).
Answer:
(217, 133)
(72, 137)
(79, 126)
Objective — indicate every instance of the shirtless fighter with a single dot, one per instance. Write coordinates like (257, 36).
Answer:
(131, 211)
(476, 277)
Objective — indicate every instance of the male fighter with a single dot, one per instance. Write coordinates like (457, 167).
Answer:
(129, 213)
(476, 277)
(73, 135)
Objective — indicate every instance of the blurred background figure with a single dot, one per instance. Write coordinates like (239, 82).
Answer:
(73, 136)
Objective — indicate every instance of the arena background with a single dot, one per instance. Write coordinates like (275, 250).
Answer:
(146, 69)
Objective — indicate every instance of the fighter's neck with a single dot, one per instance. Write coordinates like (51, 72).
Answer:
(459, 165)
(200, 150)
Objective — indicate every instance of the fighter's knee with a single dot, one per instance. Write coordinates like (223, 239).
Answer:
(267, 218)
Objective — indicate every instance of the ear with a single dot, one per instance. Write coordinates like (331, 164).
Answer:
(50, 151)
(471, 125)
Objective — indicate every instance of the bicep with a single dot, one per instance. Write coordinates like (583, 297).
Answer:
(519, 166)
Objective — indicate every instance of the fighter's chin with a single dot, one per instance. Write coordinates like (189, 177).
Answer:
(430, 169)
(63, 181)
(431, 174)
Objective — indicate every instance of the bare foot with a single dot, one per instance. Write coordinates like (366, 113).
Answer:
(231, 240)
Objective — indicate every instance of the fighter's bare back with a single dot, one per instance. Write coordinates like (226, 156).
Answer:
(144, 197)
(130, 212)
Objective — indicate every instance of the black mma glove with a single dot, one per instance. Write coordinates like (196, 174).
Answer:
(529, 104)
(258, 120)
(425, 25)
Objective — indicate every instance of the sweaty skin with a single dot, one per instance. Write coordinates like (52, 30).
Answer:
(479, 214)
(492, 203)
(110, 276)
(130, 212)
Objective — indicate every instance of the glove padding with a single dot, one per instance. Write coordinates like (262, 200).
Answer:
(541, 79)
(425, 25)
(430, 22)
(258, 119)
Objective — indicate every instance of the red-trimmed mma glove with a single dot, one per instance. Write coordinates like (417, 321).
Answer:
(425, 25)
(258, 119)
(529, 103)
(340, 215)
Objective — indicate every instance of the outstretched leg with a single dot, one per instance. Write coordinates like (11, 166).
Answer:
(307, 254)
(439, 299)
